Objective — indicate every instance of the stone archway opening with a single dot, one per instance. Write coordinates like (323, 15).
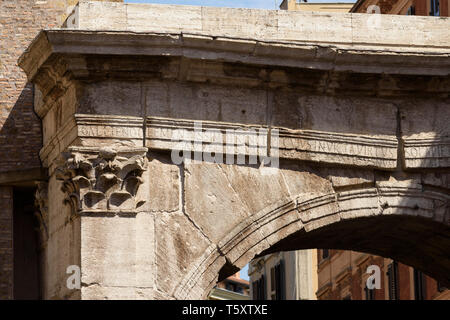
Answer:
(402, 222)
(394, 237)
(357, 245)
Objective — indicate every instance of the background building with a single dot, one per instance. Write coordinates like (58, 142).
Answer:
(342, 276)
(406, 7)
(299, 5)
(288, 275)
(232, 288)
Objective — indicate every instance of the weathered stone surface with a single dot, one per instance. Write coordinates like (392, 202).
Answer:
(179, 245)
(108, 251)
(164, 186)
(364, 116)
(118, 252)
(263, 24)
(96, 292)
(64, 248)
(207, 102)
(220, 141)
(345, 111)
(338, 125)
(267, 188)
(302, 179)
(426, 133)
(111, 98)
(436, 179)
(41, 204)
(220, 203)
(350, 178)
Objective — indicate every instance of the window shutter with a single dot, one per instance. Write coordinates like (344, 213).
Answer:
(255, 290)
(282, 281)
(277, 282)
(279, 278)
(419, 285)
(273, 284)
(434, 8)
(393, 280)
(262, 285)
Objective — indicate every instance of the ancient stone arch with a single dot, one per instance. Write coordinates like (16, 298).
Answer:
(341, 127)
(378, 216)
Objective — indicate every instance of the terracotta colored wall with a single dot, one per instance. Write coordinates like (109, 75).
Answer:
(421, 7)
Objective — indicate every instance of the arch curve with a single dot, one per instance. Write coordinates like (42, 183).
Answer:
(402, 221)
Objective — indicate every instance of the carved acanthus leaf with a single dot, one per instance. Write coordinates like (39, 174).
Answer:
(103, 180)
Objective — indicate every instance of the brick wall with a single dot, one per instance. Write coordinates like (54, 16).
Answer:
(6, 253)
(20, 129)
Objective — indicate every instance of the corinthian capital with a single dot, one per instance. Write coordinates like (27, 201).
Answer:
(103, 180)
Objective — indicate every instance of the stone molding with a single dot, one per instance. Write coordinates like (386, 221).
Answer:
(338, 148)
(170, 134)
(93, 130)
(375, 151)
(350, 57)
(104, 180)
(109, 126)
(324, 27)
(309, 145)
(432, 152)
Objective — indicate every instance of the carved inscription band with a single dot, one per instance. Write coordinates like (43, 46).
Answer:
(377, 151)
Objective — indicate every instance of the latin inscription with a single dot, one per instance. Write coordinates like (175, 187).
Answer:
(434, 155)
(339, 148)
(308, 145)
(111, 131)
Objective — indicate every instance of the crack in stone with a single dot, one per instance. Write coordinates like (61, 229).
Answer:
(183, 202)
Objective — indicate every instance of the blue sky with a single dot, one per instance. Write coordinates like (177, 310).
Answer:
(261, 4)
(244, 273)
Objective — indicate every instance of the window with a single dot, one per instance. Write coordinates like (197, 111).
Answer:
(419, 285)
(392, 274)
(325, 254)
(229, 287)
(273, 293)
(255, 290)
(277, 282)
(259, 289)
(434, 8)
(411, 11)
(370, 293)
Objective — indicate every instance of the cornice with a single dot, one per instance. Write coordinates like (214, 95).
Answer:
(349, 57)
